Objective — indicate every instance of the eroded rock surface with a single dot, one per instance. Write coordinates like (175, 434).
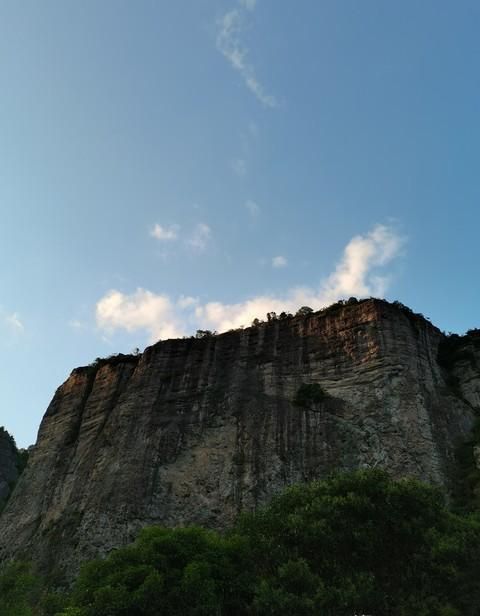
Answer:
(196, 430)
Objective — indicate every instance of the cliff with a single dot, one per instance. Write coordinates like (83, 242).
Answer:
(196, 430)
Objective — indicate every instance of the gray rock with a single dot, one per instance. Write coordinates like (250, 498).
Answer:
(197, 430)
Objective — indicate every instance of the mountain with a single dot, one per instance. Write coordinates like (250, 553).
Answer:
(196, 430)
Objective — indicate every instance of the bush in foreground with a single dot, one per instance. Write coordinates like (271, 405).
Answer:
(358, 543)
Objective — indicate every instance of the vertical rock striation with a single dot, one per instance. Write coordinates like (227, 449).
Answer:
(196, 430)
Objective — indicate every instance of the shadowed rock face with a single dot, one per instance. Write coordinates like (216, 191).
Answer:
(194, 431)
(8, 465)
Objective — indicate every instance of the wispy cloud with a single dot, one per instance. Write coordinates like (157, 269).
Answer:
(359, 272)
(164, 233)
(230, 28)
(278, 262)
(77, 324)
(252, 129)
(200, 237)
(14, 323)
(253, 208)
(248, 4)
(196, 240)
(239, 167)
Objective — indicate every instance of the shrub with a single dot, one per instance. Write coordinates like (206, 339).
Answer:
(309, 396)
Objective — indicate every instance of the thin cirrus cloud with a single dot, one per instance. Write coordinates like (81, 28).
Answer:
(200, 237)
(229, 44)
(164, 233)
(249, 4)
(14, 323)
(197, 240)
(239, 167)
(359, 272)
(278, 262)
(253, 208)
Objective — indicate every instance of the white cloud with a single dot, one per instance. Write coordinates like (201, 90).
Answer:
(164, 233)
(142, 310)
(230, 46)
(200, 237)
(279, 261)
(353, 275)
(187, 301)
(253, 208)
(252, 129)
(14, 323)
(239, 167)
(356, 274)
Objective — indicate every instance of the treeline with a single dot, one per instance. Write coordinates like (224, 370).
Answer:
(358, 543)
(10, 454)
(21, 455)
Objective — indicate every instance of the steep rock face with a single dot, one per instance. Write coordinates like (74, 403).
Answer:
(8, 465)
(196, 430)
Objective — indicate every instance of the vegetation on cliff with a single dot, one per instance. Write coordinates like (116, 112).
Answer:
(12, 463)
(354, 543)
(466, 491)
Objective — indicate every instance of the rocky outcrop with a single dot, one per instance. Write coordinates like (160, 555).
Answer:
(196, 430)
(8, 465)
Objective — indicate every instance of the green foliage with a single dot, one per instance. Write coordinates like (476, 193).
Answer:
(292, 589)
(357, 543)
(112, 360)
(304, 311)
(184, 572)
(24, 593)
(377, 546)
(309, 395)
(22, 459)
(20, 456)
(467, 484)
(454, 348)
(204, 333)
(5, 435)
(20, 590)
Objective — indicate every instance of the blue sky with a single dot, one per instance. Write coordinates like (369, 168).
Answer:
(168, 166)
